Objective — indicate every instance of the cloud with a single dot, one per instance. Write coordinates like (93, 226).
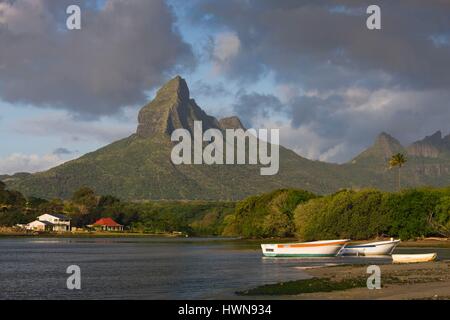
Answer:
(337, 84)
(202, 88)
(336, 125)
(18, 162)
(62, 151)
(63, 126)
(124, 49)
(313, 42)
(253, 106)
(226, 47)
(341, 124)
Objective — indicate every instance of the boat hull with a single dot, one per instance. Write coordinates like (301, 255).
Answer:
(371, 249)
(413, 258)
(304, 249)
(299, 255)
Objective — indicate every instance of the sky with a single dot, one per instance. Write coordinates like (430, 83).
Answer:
(310, 68)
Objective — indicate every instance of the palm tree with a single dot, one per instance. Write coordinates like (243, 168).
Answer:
(397, 160)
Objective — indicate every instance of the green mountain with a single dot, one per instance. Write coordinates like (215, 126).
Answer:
(434, 146)
(428, 163)
(380, 152)
(139, 166)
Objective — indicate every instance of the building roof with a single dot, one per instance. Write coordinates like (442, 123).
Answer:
(47, 223)
(57, 215)
(108, 222)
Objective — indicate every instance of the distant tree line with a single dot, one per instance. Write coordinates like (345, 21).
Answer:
(346, 214)
(266, 215)
(349, 214)
(85, 207)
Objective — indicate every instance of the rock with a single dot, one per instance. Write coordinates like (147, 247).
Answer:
(172, 109)
(383, 148)
(231, 123)
(430, 147)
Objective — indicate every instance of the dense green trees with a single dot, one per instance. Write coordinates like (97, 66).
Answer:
(282, 213)
(370, 213)
(11, 198)
(267, 215)
(12, 207)
(193, 217)
(84, 200)
(346, 214)
(85, 207)
(409, 211)
(440, 219)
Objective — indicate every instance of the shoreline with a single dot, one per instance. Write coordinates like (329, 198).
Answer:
(399, 282)
(88, 235)
(418, 243)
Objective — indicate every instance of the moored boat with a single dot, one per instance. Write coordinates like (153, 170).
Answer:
(379, 248)
(414, 258)
(327, 248)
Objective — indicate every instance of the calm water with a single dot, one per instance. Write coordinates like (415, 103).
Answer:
(145, 268)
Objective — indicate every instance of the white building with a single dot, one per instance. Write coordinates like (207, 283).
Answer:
(39, 226)
(50, 222)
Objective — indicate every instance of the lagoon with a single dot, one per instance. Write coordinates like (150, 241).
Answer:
(148, 268)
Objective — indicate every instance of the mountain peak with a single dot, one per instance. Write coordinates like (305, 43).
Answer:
(435, 137)
(231, 123)
(429, 147)
(172, 109)
(446, 139)
(385, 140)
(176, 87)
(384, 147)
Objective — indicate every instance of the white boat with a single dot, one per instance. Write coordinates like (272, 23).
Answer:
(328, 248)
(413, 258)
(380, 248)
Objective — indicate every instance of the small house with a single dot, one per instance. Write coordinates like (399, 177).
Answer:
(50, 222)
(107, 224)
(39, 226)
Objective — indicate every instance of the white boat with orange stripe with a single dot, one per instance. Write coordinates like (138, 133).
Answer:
(327, 248)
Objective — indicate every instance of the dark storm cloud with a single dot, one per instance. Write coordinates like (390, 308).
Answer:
(352, 82)
(253, 105)
(202, 88)
(306, 110)
(123, 49)
(327, 44)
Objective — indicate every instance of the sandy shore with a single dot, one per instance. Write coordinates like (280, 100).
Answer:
(399, 281)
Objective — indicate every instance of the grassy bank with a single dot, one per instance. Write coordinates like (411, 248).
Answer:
(304, 286)
(406, 281)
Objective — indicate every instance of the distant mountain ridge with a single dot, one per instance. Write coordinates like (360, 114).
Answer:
(139, 167)
(432, 146)
(384, 147)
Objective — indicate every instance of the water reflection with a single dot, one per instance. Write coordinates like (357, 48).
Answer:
(147, 268)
